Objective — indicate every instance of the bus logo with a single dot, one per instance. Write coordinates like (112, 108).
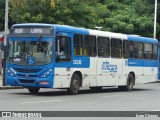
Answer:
(106, 66)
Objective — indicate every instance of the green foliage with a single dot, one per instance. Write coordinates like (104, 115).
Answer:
(2, 13)
(122, 16)
(130, 17)
(82, 13)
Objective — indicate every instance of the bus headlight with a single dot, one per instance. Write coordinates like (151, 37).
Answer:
(46, 74)
(11, 72)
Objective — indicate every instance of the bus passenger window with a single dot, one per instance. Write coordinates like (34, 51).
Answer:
(103, 47)
(138, 50)
(90, 45)
(155, 52)
(147, 51)
(116, 48)
(127, 49)
(78, 45)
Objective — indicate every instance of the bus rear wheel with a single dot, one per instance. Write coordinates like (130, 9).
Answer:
(75, 84)
(130, 83)
(33, 90)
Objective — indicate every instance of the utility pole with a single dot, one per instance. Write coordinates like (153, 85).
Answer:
(6, 32)
(155, 19)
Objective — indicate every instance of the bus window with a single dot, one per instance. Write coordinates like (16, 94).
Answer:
(90, 45)
(116, 48)
(147, 51)
(103, 47)
(138, 50)
(155, 52)
(78, 45)
(63, 48)
(127, 49)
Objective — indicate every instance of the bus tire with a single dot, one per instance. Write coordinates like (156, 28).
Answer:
(75, 84)
(33, 90)
(130, 83)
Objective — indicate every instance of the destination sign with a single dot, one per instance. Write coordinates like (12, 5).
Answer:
(32, 30)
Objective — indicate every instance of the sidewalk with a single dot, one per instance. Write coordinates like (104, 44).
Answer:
(6, 87)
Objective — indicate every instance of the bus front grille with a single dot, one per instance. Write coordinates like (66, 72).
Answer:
(24, 75)
(24, 70)
(26, 81)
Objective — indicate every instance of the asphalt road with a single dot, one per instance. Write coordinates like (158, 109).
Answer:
(144, 97)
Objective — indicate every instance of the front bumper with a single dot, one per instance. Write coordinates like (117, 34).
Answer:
(30, 81)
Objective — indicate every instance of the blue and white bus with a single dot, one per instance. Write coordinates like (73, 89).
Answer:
(61, 56)
(159, 63)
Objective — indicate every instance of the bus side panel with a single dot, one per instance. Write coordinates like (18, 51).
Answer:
(132, 65)
(62, 78)
(137, 67)
(151, 70)
(115, 71)
(158, 62)
(63, 75)
(109, 72)
(145, 71)
(102, 72)
(89, 74)
(153, 78)
(123, 79)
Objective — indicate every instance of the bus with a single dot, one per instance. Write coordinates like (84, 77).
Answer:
(159, 63)
(66, 57)
(1, 51)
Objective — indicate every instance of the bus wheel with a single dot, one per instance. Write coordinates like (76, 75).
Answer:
(33, 90)
(130, 84)
(75, 84)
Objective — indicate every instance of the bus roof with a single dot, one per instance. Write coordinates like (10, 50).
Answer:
(142, 39)
(32, 24)
(107, 34)
(78, 30)
(60, 28)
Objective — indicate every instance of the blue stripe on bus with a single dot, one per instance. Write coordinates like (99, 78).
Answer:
(142, 39)
(149, 63)
(76, 62)
(142, 63)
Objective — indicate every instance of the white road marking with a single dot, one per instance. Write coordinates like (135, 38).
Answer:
(156, 110)
(117, 95)
(41, 101)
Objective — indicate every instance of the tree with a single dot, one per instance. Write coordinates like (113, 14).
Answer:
(122, 16)
(130, 17)
(2, 13)
(82, 13)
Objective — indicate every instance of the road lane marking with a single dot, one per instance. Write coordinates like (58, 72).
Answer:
(117, 95)
(156, 110)
(41, 101)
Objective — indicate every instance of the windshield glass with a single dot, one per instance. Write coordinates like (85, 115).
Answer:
(30, 50)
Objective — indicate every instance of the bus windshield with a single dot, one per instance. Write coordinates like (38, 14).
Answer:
(30, 50)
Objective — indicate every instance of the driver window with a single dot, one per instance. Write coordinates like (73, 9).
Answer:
(63, 48)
